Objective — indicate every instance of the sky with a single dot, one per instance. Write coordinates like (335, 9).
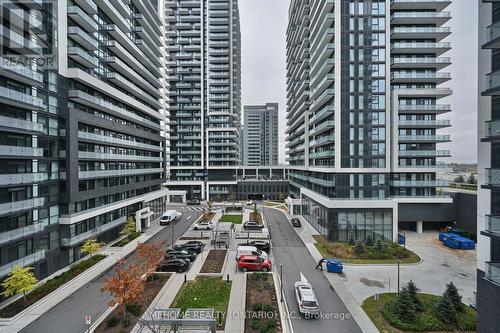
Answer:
(263, 34)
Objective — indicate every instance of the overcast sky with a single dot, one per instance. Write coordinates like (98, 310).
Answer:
(263, 33)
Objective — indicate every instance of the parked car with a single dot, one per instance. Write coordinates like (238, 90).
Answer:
(261, 245)
(250, 202)
(195, 242)
(254, 263)
(173, 265)
(169, 216)
(181, 254)
(252, 225)
(244, 250)
(296, 222)
(203, 225)
(306, 298)
(193, 202)
(188, 247)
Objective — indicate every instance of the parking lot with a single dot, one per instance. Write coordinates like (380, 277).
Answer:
(439, 266)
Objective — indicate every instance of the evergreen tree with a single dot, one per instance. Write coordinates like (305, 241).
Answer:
(413, 291)
(471, 179)
(369, 241)
(405, 307)
(359, 249)
(379, 246)
(445, 310)
(351, 240)
(460, 179)
(452, 293)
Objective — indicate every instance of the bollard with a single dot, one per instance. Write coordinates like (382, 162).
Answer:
(185, 278)
(227, 278)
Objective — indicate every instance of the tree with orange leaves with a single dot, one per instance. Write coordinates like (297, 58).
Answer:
(150, 255)
(126, 286)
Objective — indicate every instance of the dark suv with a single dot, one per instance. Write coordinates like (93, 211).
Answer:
(193, 202)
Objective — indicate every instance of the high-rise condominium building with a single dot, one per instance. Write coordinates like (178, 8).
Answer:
(80, 144)
(364, 90)
(260, 135)
(203, 77)
(488, 204)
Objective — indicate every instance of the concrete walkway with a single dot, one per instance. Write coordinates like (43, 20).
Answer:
(36, 310)
(235, 321)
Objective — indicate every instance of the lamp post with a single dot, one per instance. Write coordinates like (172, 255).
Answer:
(398, 277)
(281, 280)
(172, 233)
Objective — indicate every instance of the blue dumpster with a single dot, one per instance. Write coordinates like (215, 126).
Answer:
(465, 243)
(401, 239)
(334, 266)
(443, 235)
(451, 242)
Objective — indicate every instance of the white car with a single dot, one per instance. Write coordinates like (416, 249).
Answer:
(250, 202)
(203, 225)
(306, 298)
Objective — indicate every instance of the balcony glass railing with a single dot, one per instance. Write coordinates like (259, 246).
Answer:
(437, 122)
(493, 80)
(424, 153)
(436, 138)
(23, 262)
(493, 272)
(493, 224)
(493, 177)
(493, 128)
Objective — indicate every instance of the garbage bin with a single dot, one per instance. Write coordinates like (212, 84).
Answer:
(401, 239)
(334, 266)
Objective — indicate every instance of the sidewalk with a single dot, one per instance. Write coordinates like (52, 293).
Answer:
(306, 232)
(36, 310)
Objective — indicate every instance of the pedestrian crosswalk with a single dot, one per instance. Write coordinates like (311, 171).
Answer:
(194, 209)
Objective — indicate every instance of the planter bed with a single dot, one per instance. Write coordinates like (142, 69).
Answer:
(126, 240)
(115, 323)
(194, 238)
(346, 253)
(256, 217)
(261, 305)
(233, 218)
(214, 261)
(204, 292)
(49, 286)
(426, 321)
(208, 216)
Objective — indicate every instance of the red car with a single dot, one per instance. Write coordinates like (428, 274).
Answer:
(254, 263)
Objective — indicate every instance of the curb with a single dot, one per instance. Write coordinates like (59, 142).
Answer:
(286, 322)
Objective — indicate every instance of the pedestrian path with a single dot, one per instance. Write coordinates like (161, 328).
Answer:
(235, 321)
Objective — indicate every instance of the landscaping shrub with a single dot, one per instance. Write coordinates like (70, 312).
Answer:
(359, 248)
(379, 247)
(369, 241)
(111, 322)
(351, 241)
(445, 310)
(262, 307)
(134, 309)
(126, 322)
(452, 292)
(412, 290)
(405, 307)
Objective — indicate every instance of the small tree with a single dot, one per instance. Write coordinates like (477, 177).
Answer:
(281, 196)
(129, 228)
(445, 310)
(412, 289)
(233, 198)
(460, 179)
(90, 247)
(405, 307)
(150, 255)
(369, 241)
(20, 281)
(255, 211)
(471, 179)
(379, 246)
(209, 203)
(359, 248)
(125, 287)
(351, 241)
(218, 197)
(452, 293)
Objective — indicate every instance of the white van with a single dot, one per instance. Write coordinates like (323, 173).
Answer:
(169, 216)
(249, 251)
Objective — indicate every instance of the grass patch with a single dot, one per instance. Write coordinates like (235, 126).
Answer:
(392, 254)
(236, 219)
(49, 286)
(388, 322)
(116, 323)
(256, 217)
(214, 262)
(126, 240)
(204, 292)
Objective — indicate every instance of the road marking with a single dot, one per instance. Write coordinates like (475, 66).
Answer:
(187, 218)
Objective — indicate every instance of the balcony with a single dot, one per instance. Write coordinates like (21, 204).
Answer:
(82, 57)
(19, 206)
(493, 37)
(117, 157)
(402, 77)
(324, 113)
(424, 92)
(322, 141)
(492, 130)
(493, 272)
(436, 63)
(492, 177)
(23, 178)
(9, 236)
(83, 38)
(420, 183)
(323, 154)
(325, 126)
(117, 141)
(424, 138)
(88, 6)
(412, 109)
(20, 73)
(15, 151)
(437, 33)
(437, 5)
(424, 153)
(438, 123)
(493, 225)
(21, 100)
(26, 261)
(492, 84)
(84, 20)
(78, 239)
(421, 47)
(117, 173)
(413, 17)
(9, 124)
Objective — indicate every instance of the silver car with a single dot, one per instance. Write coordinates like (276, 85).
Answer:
(306, 298)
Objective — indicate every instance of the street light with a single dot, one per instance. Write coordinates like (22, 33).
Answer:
(398, 277)
(281, 279)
